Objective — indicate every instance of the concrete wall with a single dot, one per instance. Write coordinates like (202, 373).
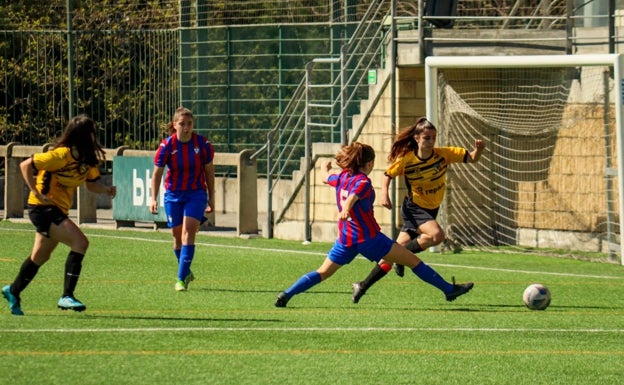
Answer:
(378, 133)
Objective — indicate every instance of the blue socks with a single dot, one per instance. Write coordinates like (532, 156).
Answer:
(304, 283)
(187, 252)
(427, 274)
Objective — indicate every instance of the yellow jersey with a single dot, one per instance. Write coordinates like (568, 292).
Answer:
(58, 176)
(426, 178)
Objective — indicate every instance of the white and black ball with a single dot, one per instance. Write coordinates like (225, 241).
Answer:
(536, 296)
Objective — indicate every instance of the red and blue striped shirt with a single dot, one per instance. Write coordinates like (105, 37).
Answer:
(361, 225)
(185, 162)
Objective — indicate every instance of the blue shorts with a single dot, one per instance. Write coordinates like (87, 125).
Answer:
(180, 204)
(373, 250)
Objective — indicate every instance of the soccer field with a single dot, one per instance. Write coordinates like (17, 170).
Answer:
(225, 329)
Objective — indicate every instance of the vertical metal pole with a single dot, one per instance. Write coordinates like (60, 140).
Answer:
(269, 219)
(569, 25)
(308, 156)
(70, 60)
(393, 113)
(609, 172)
(421, 31)
(611, 26)
(617, 77)
(343, 95)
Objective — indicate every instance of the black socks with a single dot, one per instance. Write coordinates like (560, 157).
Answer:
(73, 266)
(375, 275)
(26, 274)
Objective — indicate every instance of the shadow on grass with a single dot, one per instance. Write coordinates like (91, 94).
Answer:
(176, 319)
(276, 292)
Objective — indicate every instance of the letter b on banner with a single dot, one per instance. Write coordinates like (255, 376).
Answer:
(133, 177)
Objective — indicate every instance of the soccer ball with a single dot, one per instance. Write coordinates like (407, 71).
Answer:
(536, 297)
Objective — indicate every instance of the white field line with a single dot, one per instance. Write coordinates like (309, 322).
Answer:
(299, 252)
(311, 329)
(527, 271)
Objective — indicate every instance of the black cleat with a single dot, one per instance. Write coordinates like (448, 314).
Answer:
(459, 289)
(399, 269)
(450, 244)
(281, 300)
(358, 292)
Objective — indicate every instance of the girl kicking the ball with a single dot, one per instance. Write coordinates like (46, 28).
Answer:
(359, 231)
(414, 156)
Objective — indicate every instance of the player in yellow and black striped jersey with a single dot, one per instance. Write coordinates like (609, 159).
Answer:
(414, 156)
(426, 178)
(58, 176)
(74, 160)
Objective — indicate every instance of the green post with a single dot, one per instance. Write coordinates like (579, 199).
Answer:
(70, 60)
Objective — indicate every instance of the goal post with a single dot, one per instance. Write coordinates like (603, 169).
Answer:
(551, 176)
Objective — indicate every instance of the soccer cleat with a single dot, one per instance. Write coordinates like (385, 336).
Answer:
(399, 269)
(180, 286)
(459, 289)
(71, 303)
(189, 278)
(452, 245)
(358, 292)
(14, 302)
(281, 300)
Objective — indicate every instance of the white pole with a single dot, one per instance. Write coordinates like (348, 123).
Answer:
(520, 61)
(619, 129)
(431, 91)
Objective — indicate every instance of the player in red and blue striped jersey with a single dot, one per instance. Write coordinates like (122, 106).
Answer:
(359, 231)
(189, 187)
(361, 225)
(423, 165)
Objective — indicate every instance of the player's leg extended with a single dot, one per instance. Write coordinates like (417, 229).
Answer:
(400, 254)
(378, 272)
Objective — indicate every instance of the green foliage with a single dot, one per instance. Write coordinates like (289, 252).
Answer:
(114, 79)
(130, 76)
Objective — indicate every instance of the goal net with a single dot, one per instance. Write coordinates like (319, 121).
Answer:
(550, 175)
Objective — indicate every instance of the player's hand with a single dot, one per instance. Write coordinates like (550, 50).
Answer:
(154, 207)
(44, 199)
(479, 144)
(386, 202)
(344, 216)
(112, 191)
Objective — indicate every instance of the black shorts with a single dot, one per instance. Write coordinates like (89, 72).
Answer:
(414, 216)
(43, 217)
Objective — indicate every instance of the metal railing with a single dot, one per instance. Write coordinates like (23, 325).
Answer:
(321, 109)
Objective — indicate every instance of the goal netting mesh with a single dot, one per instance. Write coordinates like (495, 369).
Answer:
(548, 177)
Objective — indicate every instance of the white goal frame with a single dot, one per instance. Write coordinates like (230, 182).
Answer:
(434, 63)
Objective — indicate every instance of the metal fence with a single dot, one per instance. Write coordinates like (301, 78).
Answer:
(235, 63)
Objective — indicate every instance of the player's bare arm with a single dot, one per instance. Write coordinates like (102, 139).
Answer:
(156, 179)
(210, 182)
(27, 170)
(99, 188)
(347, 206)
(476, 153)
(325, 168)
(385, 196)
